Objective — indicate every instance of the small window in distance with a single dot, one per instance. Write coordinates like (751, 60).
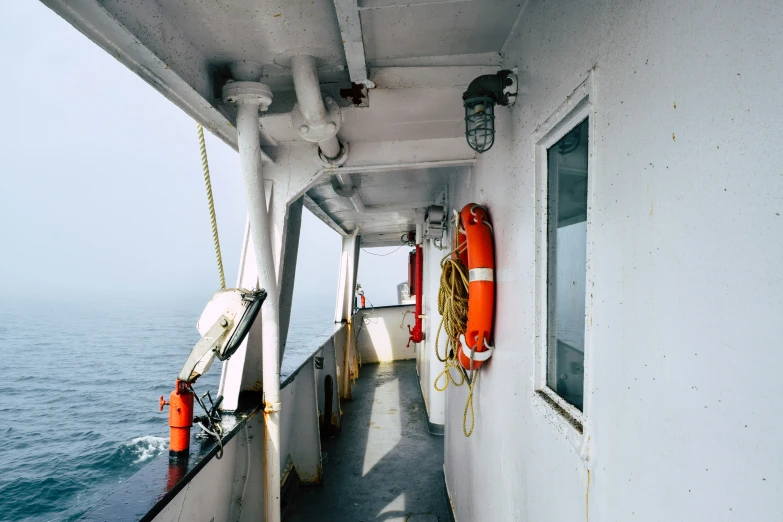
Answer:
(567, 264)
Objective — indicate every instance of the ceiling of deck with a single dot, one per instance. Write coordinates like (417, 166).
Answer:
(415, 57)
(268, 32)
(398, 30)
(389, 198)
(392, 32)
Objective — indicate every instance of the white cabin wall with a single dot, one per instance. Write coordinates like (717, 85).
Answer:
(687, 238)
(428, 365)
(486, 473)
(383, 333)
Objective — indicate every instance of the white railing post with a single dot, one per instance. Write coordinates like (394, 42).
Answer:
(250, 97)
(346, 288)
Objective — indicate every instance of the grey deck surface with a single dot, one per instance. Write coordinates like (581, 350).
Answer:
(384, 464)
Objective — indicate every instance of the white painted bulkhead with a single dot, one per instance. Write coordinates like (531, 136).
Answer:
(382, 334)
(685, 238)
(429, 366)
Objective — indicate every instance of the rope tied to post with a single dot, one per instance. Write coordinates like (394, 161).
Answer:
(210, 200)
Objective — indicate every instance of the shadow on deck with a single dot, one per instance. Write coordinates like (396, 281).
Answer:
(384, 465)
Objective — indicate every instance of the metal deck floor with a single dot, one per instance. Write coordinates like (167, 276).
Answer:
(384, 465)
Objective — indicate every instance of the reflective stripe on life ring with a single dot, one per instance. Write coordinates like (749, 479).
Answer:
(481, 274)
(475, 344)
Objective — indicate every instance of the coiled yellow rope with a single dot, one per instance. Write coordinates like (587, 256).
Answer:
(212, 217)
(453, 308)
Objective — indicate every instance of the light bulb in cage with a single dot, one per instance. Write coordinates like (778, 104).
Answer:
(479, 101)
(480, 122)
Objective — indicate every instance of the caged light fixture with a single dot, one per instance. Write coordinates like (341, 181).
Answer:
(479, 101)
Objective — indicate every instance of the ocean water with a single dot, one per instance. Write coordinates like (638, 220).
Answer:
(79, 389)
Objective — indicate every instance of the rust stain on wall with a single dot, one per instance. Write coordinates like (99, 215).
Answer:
(587, 498)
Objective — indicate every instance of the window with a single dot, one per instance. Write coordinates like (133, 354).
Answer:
(566, 232)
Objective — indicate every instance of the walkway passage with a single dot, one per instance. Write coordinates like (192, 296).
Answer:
(384, 465)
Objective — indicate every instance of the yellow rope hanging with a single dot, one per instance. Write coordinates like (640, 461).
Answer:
(469, 404)
(212, 217)
(453, 308)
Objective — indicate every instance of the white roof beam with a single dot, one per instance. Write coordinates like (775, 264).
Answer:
(382, 241)
(450, 60)
(351, 30)
(396, 207)
(321, 214)
(428, 77)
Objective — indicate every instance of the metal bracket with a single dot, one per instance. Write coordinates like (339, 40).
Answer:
(200, 358)
(271, 407)
(248, 92)
(435, 221)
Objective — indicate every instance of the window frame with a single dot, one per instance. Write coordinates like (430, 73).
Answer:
(567, 418)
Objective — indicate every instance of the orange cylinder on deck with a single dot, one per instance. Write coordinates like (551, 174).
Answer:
(180, 419)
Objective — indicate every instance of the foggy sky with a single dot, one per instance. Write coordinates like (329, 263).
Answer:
(102, 195)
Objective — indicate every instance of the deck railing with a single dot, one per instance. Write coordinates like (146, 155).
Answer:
(308, 395)
(231, 487)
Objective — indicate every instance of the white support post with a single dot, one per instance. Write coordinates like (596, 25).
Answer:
(287, 267)
(250, 96)
(346, 288)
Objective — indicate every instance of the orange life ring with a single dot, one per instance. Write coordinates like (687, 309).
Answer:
(475, 347)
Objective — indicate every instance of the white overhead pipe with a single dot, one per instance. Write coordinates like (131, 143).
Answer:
(348, 190)
(250, 96)
(311, 105)
(317, 126)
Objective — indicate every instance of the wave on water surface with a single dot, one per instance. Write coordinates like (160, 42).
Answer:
(144, 448)
(102, 438)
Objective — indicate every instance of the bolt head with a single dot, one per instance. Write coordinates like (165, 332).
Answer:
(304, 129)
(223, 322)
(332, 126)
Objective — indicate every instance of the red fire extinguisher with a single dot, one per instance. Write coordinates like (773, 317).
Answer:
(415, 284)
(360, 293)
